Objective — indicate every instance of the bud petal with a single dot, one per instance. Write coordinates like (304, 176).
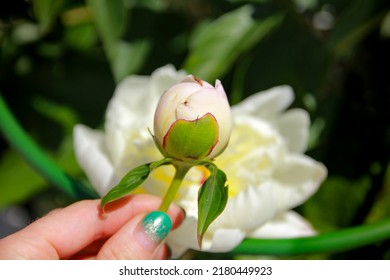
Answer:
(193, 120)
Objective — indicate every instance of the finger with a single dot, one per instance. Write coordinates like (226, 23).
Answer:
(141, 238)
(90, 251)
(65, 232)
(163, 252)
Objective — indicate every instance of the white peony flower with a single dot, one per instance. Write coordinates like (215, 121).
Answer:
(267, 172)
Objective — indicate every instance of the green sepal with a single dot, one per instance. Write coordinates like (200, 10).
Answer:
(192, 139)
(133, 179)
(212, 199)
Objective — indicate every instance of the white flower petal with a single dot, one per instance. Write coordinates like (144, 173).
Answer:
(132, 98)
(296, 178)
(131, 110)
(255, 147)
(225, 240)
(130, 101)
(163, 78)
(137, 96)
(184, 237)
(266, 104)
(294, 127)
(248, 210)
(284, 225)
(91, 154)
(167, 108)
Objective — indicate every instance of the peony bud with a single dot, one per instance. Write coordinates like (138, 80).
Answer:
(193, 120)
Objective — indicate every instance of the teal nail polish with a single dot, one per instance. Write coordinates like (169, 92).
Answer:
(157, 225)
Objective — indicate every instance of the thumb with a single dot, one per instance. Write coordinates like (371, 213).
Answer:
(141, 238)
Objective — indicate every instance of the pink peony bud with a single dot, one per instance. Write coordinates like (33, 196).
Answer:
(193, 120)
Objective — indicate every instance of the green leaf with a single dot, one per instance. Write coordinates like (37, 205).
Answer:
(192, 139)
(81, 37)
(19, 181)
(126, 58)
(381, 208)
(111, 19)
(358, 20)
(59, 113)
(385, 26)
(337, 203)
(133, 179)
(47, 11)
(212, 199)
(130, 182)
(215, 46)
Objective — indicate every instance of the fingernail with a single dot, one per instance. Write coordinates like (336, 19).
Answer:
(153, 229)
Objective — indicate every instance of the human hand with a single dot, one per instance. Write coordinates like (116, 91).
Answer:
(80, 231)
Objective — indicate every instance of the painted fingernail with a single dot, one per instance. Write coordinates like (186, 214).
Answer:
(153, 229)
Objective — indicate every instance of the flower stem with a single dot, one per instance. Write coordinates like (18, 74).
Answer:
(181, 171)
(331, 242)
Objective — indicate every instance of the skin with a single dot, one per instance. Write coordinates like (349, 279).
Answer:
(81, 231)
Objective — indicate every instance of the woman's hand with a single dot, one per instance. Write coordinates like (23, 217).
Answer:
(129, 230)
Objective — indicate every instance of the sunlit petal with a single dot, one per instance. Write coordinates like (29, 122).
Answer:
(297, 178)
(284, 225)
(266, 104)
(92, 156)
(294, 127)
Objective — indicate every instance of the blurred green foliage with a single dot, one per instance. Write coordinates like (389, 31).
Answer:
(60, 61)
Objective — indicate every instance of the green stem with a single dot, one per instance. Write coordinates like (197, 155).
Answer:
(338, 241)
(181, 171)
